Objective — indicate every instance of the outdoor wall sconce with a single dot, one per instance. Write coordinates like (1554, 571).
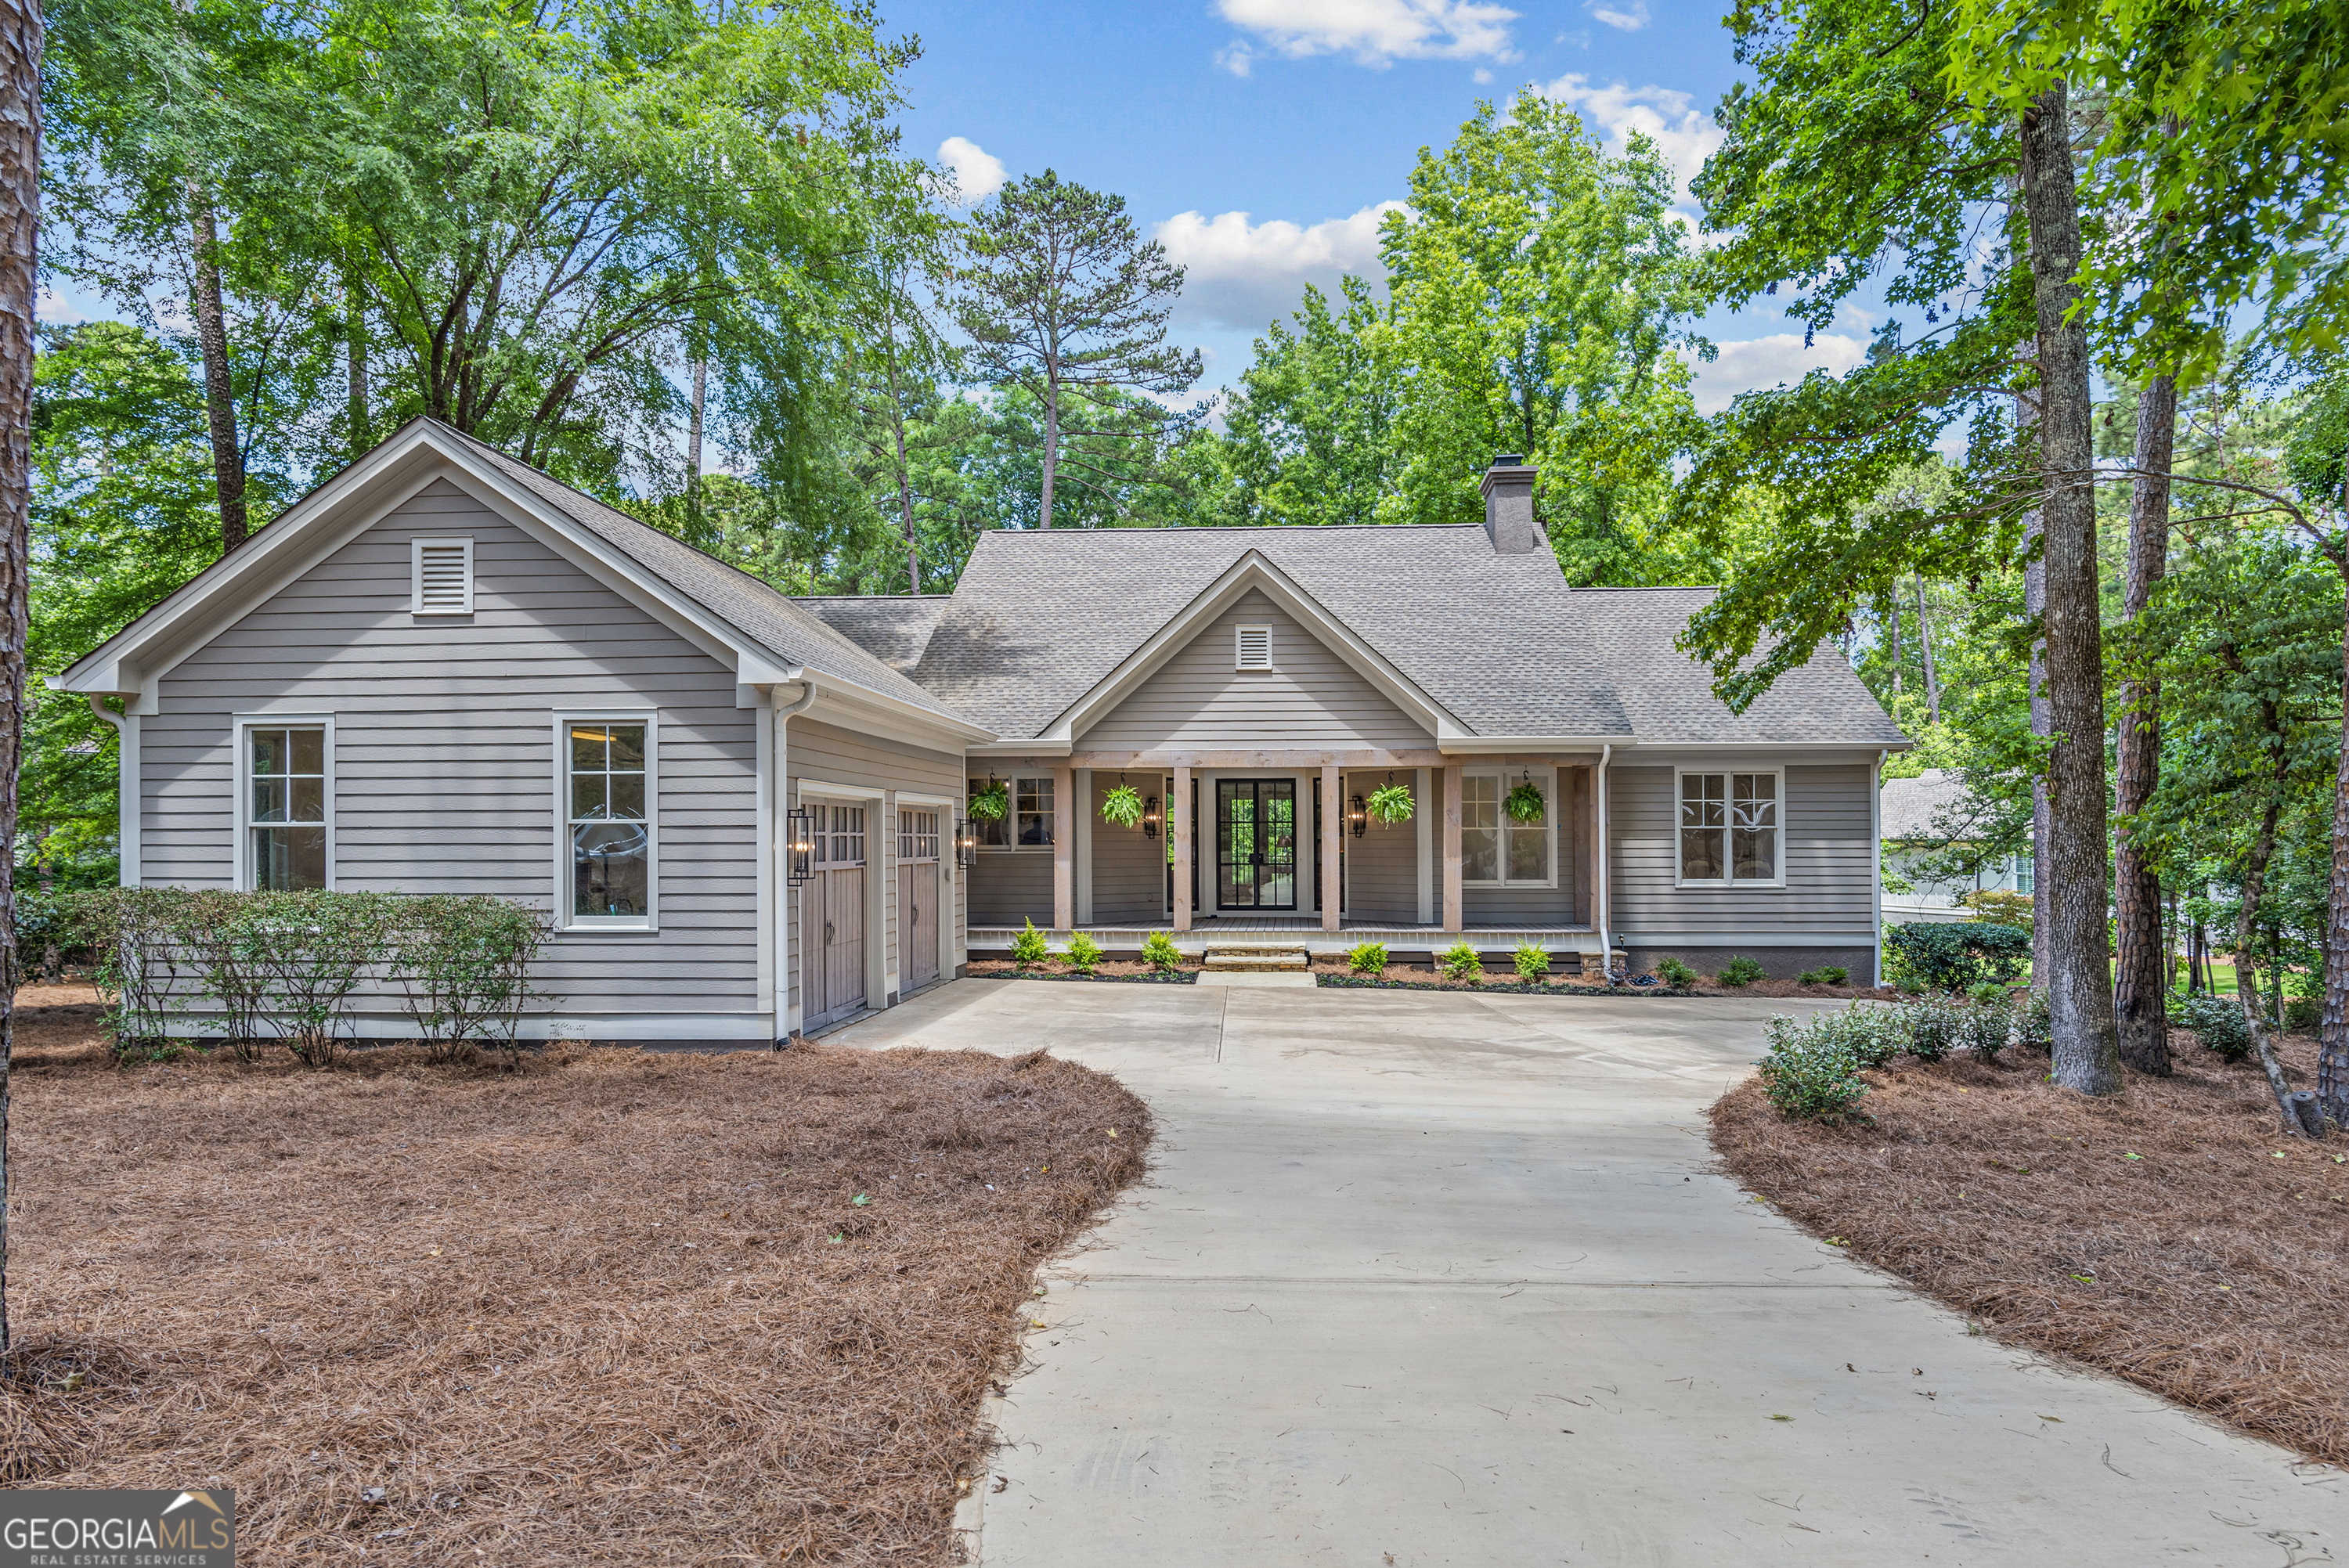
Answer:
(1358, 815)
(966, 841)
(1150, 818)
(799, 842)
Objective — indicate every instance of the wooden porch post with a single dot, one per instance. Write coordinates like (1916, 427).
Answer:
(1064, 849)
(1178, 833)
(1452, 848)
(1333, 832)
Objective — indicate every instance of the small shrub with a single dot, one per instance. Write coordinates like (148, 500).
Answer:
(2217, 1021)
(1989, 994)
(1460, 961)
(1983, 1028)
(1030, 947)
(2031, 1026)
(1122, 806)
(1742, 971)
(1532, 960)
(1158, 950)
(2303, 1015)
(1998, 906)
(463, 965)
(1934, 1027)
(1941, 955)
(1084, 953)
(1810, 1072)
(1674, 972)
(1366, 958)
(1826, 975)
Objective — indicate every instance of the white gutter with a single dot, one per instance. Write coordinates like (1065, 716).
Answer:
(1604, 891)
(1875, 863)
(786, 1023)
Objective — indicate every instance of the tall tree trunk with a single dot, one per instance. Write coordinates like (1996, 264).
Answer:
(1052, 441)
(2043, 724)
(2333, 1053)
(2141, 980)
(2088, 1057)
(355, 350)
(693, 442)
(20, 206)
(1925, 648)
(1892, 623)
(220, 394)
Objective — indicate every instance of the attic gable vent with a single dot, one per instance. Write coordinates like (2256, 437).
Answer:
(443, 576)
(1254, 648)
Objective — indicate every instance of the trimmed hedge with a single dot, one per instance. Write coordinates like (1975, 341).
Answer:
(1943, 956)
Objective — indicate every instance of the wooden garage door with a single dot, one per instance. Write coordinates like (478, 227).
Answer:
(831, 942)
(917, 895)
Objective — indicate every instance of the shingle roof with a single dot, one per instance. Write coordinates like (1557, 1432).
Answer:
(1040, 618)
(893, 628)
(794, 636)
(1669, 696)
(1910, 806)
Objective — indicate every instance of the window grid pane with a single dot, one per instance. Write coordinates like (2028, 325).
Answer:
(1704, 821)
(1035, 810)
(611, 841)
(287, 806)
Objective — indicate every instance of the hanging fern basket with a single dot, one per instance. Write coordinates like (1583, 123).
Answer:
(1526, 803)
(1390, 804)
(990, 804)
(1122, 807)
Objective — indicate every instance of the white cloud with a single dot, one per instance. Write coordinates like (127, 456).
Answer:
(1682, 132)
(1244, 274)
(1377, 33)
(1236, 57)
(1777, 360)
(978, 172)
(1629, 21)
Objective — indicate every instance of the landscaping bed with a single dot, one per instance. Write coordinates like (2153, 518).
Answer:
(1125, 971)
(2173, 1236)
(1416, 977)
(617, 1306)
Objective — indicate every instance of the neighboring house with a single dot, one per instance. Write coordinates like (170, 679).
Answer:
(443, 671)
(1916, 817)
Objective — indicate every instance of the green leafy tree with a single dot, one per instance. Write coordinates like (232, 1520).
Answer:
(1309, 433)
(1541, 289)
(1062, 299)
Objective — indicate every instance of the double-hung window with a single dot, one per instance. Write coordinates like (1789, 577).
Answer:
(1729, 828)
(1027, 819)
(1499, 848)
(287, 792)
(607, 799)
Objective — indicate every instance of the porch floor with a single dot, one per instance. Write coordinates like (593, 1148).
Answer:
(1305, 933)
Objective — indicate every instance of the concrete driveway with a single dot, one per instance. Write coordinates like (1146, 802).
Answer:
(1429, 1279)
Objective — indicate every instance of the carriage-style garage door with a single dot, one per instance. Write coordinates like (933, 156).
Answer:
(831, 930)
(917, 895)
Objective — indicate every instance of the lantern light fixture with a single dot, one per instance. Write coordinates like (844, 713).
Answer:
(966, 840)
(1149, 817)
(1358, 815)
(799, 841)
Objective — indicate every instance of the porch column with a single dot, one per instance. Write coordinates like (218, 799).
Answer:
(1178, 833)
(1452, 848)
(1064, 849)
(1333, 837)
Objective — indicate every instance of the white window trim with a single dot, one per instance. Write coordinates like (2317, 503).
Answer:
(1548, 781)
(1011, 813)
(559, 738)
(1239, 648)
(1778, 881)
(416, 576)
(242, 771)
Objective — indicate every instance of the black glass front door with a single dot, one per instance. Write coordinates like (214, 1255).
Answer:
(1255, 843)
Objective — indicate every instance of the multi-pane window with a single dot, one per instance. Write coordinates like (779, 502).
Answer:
(1494, 847)
(608, 787)
(917, 835)
(1729, 827)
(1031, 801)
(287, 775)
(840, 835)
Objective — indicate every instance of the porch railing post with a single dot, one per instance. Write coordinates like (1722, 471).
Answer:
(1178, 828)
(1333, 827)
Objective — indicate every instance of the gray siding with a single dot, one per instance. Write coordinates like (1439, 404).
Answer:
(1309, 697)
(444, 749)
(1009, 886)
(1382, 865)
(1828, 860)
(814, 749)
(1537, 905)
(1129, 869)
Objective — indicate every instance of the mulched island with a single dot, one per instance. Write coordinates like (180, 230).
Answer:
(1123, 971)
(2173, 1237)
(617, 1308)
(1334, 973)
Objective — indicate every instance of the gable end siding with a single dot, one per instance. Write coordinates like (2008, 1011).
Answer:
(1828, 860)
(444, 749)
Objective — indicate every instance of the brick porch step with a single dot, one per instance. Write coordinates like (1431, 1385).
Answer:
(1257, 960)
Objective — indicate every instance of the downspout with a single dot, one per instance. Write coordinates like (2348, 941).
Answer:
(1875, 861)
(126, 790)
(1606, 889)
(783, 1021)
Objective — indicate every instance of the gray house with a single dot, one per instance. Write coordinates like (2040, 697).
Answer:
(443, 671)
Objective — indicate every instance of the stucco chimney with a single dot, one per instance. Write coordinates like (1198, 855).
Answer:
(1509, 507)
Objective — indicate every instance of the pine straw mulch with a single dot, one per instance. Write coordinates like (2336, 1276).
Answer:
(591, 1312)
(2207, 1269)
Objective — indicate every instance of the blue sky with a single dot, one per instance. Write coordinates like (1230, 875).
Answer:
(1258, 138)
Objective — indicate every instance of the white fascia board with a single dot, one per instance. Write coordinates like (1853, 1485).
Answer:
(1018, 747)
(1252, 570)
(1718, 754)
(1464, 745)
